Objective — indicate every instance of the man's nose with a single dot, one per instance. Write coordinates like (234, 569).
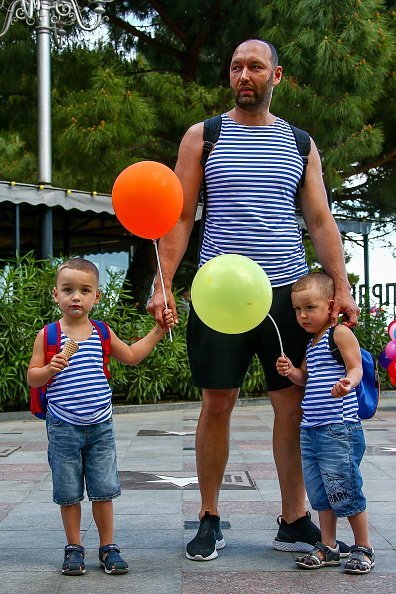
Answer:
(245, 73)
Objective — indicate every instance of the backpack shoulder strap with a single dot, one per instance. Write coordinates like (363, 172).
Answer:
(211, 133)
(334, 350)
(105, 338)
(52, 340)
(303, 142)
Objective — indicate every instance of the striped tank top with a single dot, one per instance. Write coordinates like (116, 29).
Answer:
(80, 394)
(252, 176)
(319, 406)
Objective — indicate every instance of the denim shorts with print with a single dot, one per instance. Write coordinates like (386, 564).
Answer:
(79, 454)
(331, 455)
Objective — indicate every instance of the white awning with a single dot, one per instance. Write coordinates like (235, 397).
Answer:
(49, 196)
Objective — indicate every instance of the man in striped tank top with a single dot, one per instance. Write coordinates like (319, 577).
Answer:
(81, 441)
(252, 177)
(332, 439)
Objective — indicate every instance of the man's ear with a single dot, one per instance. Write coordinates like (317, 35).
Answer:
(98, 294)
(331, 305)
(277, 75)
(55, 294)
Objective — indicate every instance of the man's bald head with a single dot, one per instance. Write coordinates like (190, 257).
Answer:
(265, 46)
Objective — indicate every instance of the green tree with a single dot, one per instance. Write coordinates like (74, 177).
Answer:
(338, 58)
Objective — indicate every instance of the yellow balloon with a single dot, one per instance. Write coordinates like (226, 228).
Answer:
(231, 294)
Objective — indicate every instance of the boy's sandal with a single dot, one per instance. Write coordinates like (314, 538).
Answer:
(73, 563)
(313, 560)
(362, 560)
(111, 560)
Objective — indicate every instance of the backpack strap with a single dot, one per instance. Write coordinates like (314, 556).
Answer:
(303, 142)
(334, 350)
(211, 133)
(52, 340)
(103, 330)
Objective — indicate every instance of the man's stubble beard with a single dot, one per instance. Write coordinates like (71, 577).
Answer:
(262, 101)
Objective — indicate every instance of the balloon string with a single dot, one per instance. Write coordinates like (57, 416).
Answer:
(279, 336)
(162, 282)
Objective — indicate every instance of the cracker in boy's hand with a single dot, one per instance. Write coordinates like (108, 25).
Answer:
(70, 347)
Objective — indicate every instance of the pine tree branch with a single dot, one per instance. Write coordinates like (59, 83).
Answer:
(153, 42)
(170, 23)
(383, 160)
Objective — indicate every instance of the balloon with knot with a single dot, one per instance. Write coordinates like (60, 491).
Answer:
(147, 199)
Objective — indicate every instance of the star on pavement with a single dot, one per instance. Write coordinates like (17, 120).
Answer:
(178, 481)
(180, 432)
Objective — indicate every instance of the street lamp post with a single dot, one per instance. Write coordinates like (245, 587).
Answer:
(49, 17)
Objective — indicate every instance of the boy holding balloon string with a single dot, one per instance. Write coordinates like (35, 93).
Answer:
(332, 439)
(81, 440)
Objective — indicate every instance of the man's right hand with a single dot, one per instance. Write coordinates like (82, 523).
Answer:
(156, 306)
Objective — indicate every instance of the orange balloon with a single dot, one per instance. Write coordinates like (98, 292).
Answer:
(147, 199)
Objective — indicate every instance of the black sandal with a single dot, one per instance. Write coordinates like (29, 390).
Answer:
(73, 563)
(314, 559)
(358, 561)
(111, 560)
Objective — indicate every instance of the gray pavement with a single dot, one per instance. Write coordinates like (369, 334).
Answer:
(157, 511)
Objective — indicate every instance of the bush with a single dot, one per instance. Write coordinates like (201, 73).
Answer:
(26, 305)
(372, 335)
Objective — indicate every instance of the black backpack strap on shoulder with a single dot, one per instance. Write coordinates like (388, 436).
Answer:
(303, 142)
(211, 133)
(334, 350)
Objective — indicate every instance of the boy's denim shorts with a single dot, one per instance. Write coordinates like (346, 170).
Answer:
(331, 455)
(78, 453)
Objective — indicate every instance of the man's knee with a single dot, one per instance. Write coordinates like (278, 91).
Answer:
(219, 402)
(287, 405)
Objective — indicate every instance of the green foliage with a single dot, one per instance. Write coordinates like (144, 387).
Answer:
(103, 128)
(332, 53)
(15, 162)
(26, 305)
(372, 335)
(166, 67)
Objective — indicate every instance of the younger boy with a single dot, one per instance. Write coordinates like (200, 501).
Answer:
(332, 439)
(81, 442)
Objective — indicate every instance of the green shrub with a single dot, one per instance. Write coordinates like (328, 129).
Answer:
(26, 305)
(372, 335)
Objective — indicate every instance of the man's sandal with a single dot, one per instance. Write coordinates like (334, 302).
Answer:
(111, 560)
(73, 563)
(362, 560)
(314, 559)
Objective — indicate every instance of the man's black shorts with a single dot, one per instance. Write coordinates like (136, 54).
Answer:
(220, 361)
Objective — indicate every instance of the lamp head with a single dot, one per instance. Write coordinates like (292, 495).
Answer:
(99, 6)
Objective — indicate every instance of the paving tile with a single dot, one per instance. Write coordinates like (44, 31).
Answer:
(153, 525)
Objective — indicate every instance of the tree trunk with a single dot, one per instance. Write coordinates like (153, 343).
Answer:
(141, 272)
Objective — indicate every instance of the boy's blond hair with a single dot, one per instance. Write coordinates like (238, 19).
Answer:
(318, 280)
(79, 264)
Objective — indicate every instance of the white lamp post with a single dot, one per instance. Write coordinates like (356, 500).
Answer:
(49, 17)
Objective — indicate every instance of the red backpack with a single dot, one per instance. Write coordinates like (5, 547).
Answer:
(52, 342)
